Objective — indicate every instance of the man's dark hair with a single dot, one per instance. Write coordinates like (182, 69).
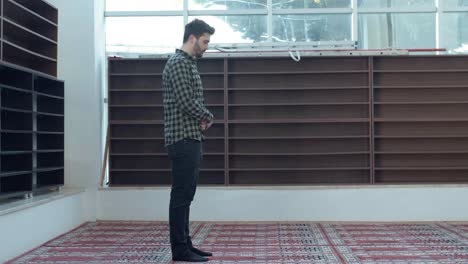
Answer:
(197, 28)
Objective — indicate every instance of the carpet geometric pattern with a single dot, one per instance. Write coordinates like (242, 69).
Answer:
(283, 242)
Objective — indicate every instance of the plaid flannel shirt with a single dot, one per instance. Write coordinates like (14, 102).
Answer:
(183, 100)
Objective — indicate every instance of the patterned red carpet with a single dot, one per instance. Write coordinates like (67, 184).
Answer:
(147, 242)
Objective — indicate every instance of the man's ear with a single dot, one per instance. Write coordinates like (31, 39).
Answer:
(192, 39)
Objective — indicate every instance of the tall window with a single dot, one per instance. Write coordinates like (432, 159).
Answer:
(154, 26)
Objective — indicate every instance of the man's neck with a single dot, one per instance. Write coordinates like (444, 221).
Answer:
(187, 50)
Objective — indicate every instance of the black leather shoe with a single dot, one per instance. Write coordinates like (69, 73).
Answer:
(201, 252)
(189, 256)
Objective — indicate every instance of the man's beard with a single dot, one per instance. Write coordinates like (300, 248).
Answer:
(198, 51)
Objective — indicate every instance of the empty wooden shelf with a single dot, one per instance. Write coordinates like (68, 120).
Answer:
(31, 130)
(29, 35)
(323, 120)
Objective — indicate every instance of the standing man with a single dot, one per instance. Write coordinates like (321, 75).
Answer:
(185, 119)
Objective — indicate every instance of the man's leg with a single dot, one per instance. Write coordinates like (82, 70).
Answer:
(189, 239)
(184, 157)
(193, 188)
(187, 214)
(187, 226)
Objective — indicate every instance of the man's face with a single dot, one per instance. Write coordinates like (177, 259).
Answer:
(201, 45)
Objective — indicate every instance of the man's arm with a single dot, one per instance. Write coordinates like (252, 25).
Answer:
(184, 93)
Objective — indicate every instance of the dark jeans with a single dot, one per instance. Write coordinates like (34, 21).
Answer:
(185, 156)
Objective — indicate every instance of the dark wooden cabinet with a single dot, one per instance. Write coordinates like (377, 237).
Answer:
(29, 34)
(421, 119)
(32, 131)
(323, 120)
(32, 99)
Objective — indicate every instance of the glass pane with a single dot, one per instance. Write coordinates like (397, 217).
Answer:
(395, 3)
(455, 3)
(226, 4)
(279, 4)
(237, 29)
(144, 5)
(397, 31)
(455, 32)
(144, 34)
(311, 27)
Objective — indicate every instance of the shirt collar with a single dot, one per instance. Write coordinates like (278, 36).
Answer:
(185, 54)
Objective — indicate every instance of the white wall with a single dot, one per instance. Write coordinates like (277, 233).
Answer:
(28, 228)
(365, 203)
(81, 62)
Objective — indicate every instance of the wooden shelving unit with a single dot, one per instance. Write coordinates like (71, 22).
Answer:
(342, 120)
(302, 130)
(29, 35)
(32, 132)
(136, 123)
(421, 107)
